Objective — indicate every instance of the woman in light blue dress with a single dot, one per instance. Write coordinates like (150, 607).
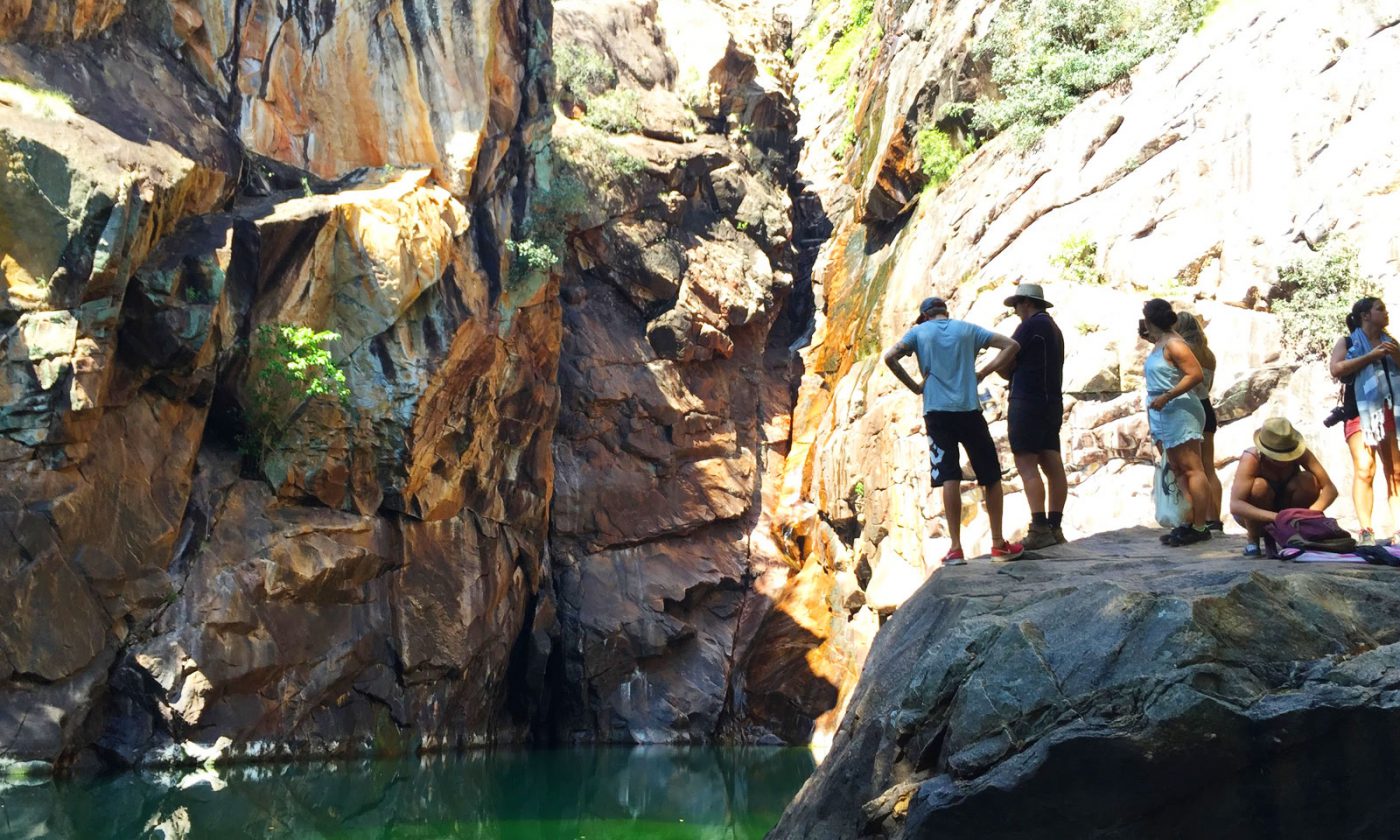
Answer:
(1175, 416)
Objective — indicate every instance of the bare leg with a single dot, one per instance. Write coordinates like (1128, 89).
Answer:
(952, 511)
(1185, 461)
(1261, 495)
(1363, 476)
(992, 495)
(1301, 491)
(1054, 467)
(1390, 465)
(1028, 465)
(1212, 478)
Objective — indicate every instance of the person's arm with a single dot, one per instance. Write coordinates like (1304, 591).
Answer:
(1326, 490)
(1018, 336)
(1245, 474)
(1178, 352)
(1008, 349)
(892, 359)
(1341, 367)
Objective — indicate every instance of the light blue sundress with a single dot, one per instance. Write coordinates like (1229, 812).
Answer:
(1183, 418)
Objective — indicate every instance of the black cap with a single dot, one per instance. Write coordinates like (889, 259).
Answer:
(931, 305)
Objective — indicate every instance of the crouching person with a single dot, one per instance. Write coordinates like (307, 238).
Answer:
(1278, 472)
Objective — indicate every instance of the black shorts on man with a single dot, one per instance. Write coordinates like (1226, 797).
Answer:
(948, 429)
(1034, 425)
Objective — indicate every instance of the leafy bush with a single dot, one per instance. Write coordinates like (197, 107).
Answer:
(1046, 55)
(593, 156)
(615, 112)
(294, 366)
(529, 256)
(835, 66)
(1077, 260)
(938, 155)
(1314, 295)
(583, 71)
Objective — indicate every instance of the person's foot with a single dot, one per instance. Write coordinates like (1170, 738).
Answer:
(1366, 537)
(1007, 551)
(1039, 536)
(1252, 550)
(1215, 525)
(1186, 535)
(954, 558)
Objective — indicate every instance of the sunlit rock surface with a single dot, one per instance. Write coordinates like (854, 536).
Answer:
(1121, 691)
(1257, 138)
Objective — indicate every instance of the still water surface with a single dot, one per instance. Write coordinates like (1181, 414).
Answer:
(666, 793)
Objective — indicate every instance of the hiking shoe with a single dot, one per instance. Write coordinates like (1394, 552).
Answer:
(1008, 551)
(1059, 534)
(1366, 537)
(1186, 535)
(1039, 536)
(955, 558)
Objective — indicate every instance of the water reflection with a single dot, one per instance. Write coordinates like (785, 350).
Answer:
(599, 794)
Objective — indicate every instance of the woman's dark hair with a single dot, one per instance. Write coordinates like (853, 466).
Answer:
(1159, 314)
(1358, 309)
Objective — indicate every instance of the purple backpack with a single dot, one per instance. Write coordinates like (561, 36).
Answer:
(1306, 529)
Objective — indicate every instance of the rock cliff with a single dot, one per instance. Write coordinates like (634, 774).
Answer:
(583, 304)
(1113, 694)
(190, 561)
(1206, 176)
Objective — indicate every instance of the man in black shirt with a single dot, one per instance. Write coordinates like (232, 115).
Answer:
(1035, 412)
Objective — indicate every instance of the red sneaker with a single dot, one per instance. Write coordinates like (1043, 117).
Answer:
(955, 558)
(1008, 551)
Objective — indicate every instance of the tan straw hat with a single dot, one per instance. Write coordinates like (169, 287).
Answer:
(1279, 440)
(1030, 291)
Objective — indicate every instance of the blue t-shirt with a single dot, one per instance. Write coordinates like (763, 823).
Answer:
(947, 352)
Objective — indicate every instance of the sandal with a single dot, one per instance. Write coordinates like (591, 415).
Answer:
(1252, 550)
(955, 558)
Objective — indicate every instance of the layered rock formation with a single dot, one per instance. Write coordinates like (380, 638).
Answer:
(675, 387)
(1214, 164)
(1113, 694)
(361, 577)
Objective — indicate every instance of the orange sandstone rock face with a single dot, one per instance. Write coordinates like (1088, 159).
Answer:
(58, 19)
(361, 585)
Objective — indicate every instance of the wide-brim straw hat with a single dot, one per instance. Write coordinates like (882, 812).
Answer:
(1279, 440)
(1030, 291)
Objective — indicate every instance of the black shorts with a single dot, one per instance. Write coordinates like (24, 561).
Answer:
(1034, 426)
(1211, 423)
(948, 429)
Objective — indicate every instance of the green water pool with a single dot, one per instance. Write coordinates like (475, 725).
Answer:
(668, 793)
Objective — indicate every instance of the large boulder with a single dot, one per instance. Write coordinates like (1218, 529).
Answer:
(1121, 690)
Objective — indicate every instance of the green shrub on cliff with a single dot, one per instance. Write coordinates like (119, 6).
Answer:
(294, 366)
(1046, 55)
(835, 66)
(617, 112)
(1313, 296)
(1078, 259)
(938, 155)
(583, 72)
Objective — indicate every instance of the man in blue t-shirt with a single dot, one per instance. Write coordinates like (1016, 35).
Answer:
(1035, 411)
(947, 353)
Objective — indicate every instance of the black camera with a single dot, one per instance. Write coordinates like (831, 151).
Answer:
(1338, 415)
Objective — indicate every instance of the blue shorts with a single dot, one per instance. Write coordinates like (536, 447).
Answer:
(1182, 420)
